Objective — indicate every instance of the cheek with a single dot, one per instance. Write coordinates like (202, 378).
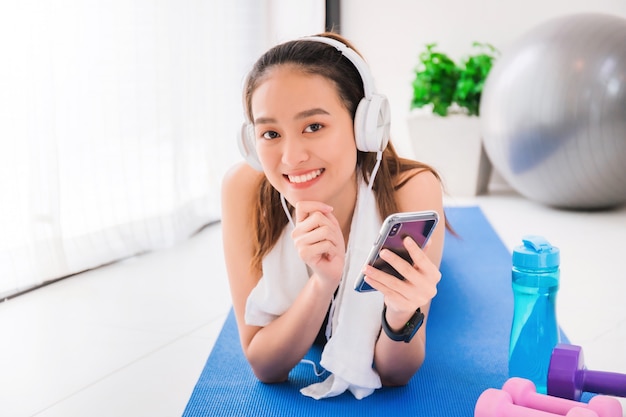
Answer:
(351, 161)
(266, 156)
(269, 161)
(345, 160)
(347, 151)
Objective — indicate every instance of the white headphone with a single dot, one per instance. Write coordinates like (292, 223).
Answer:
(371, 121)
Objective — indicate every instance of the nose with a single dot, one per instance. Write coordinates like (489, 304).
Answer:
(294, 151)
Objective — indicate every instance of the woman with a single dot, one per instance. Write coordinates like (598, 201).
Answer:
(301, 100)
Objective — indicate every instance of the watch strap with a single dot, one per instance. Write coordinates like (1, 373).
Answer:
(408, 331)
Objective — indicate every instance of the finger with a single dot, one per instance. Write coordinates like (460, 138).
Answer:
(315, 221)
(423, 278)
(319, 250)
(400, 295)
(393, 297)
(384, 282)
(316, 234)
(406, 269)
(417, 254)
(421, 261)
(305, 208)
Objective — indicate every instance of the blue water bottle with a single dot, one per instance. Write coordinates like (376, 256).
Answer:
(535, 331)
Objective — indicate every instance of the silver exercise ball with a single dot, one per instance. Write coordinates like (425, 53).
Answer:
(553, 113)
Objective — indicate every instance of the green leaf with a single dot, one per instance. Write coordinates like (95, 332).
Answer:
(435, 80)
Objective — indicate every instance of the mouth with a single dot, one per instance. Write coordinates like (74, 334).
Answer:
(302, 178)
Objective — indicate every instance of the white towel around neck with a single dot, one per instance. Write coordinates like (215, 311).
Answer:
(349, 353)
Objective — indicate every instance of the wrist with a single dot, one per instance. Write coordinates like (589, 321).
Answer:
(396, 320)
(322, 286)
(407, 330)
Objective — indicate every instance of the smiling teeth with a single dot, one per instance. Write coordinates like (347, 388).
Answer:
(304, 178)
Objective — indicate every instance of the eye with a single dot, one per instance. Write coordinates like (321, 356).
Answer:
(313, 127)
(269, 135)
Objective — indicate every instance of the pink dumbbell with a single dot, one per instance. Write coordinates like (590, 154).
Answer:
(524, 393)
(497, 403)
(569, 378)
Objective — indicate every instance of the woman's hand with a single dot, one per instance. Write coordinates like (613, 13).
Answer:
(403, 297)
(319, 240)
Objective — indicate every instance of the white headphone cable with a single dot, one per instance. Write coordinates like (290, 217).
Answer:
(317, 372)
(379, 156)
(286, 209)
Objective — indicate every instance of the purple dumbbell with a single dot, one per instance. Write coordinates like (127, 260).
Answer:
(569, 378)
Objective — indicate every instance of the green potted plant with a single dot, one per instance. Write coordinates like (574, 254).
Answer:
(441, 83)
(446, 132)
(473, 71)
(435, 81)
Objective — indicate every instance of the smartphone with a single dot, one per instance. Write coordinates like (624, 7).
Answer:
(419, 225)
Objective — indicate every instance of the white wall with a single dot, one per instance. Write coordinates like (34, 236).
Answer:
(391, 34)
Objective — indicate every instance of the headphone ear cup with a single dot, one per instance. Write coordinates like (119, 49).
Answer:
(372, 124)
(247, 148)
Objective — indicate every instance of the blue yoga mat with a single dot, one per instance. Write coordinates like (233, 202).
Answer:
(467, 346)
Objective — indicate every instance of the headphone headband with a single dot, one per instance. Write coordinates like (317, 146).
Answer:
(356, 59)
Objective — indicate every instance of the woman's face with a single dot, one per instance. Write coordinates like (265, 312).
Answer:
(304, 136)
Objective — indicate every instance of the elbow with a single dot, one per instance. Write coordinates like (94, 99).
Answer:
(400, 376)
(267, 373)
(267, 367)
(269, 376)
(395, 380)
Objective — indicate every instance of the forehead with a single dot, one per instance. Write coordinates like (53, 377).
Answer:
(292, 72)
(290, 85)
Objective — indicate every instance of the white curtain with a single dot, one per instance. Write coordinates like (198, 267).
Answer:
(117, 121)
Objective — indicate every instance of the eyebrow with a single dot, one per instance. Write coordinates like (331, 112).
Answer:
(302, 115)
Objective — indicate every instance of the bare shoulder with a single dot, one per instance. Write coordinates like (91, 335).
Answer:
(240, 187)
(240, 178)
(420, 190)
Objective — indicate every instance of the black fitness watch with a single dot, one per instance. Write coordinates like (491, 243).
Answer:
(408, 331)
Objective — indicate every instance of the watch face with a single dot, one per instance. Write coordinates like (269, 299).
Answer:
(413, 325)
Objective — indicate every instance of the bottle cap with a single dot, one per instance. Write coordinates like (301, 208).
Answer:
(536, 252)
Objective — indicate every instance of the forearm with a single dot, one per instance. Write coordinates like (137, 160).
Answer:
(397, 361)
(276, 348)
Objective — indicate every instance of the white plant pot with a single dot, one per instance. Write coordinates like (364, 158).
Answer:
(453, 146)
